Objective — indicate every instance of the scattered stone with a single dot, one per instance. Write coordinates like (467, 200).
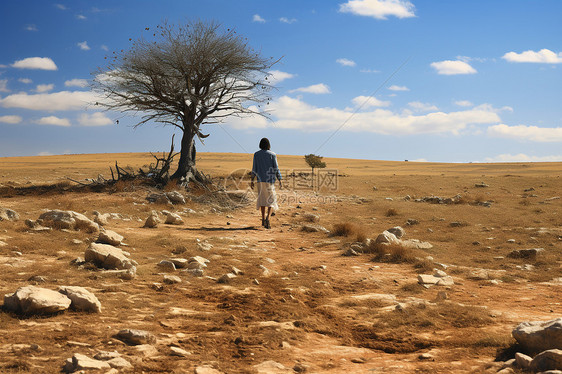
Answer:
(415, 243)
(200, 262)
(511, 241)
(106, 355)
(107, 256)
(256, 282)
(37, 279)
(195, 272)
(481, 185)
(152, 221)
(81, 298)
(458, 224)
(311, 217)
(386, 238)
(522, 360)
(207, 370)
(226, 278)
(426, 357)
(175, 197)
(82, 362)
(398, 231)
(135, 337)
(36, 226)
(445, 281)
(272, 367)
(35, 300)
(173, 219)
(171, 279)
(428, 279)
(129, 274)
(314, 228)
(350, 252)
(538, 336)
(158, 198)
(234, 270)
(67, 219)
(167, 265)
(548, 360)
(479, 274)
(101, 219)
(8, 215)
(119, 363)
(204, 246)
(180, 263)
(530, 254)
(109, 237)
(439, 273)
(176, 351)
(412, 222)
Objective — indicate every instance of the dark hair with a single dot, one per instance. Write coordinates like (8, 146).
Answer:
(264, 144)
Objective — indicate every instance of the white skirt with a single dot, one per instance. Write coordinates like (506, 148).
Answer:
(266, 196)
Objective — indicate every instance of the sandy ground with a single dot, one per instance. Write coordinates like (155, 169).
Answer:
(313, 310)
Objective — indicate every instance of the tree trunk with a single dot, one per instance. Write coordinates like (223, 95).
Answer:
(187, 171)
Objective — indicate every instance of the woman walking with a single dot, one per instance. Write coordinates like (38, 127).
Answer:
(266, 170)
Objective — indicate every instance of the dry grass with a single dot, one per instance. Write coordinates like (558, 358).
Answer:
(343, 229)
(391, 212)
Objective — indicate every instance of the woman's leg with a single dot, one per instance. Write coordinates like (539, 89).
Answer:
(263, 212)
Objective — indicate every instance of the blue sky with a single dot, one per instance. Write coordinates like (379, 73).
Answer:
(428, 80)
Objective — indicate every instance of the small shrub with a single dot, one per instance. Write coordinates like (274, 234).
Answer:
(361, 237)
(391, 212)
(343, 229)
(414, 288)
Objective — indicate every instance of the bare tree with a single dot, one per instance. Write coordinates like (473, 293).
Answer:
(189, 75)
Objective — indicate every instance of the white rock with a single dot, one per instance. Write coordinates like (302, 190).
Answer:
(119, 363)
(428, 279)
(152, 221)
(36, 300)
(175, 197)
(82, 362)
(387, 238)
(81, 298)
(176, 351)
(538, 336)
(439, 273)
(206, 370)
(397, 231)
(179, 263)
(522, 360)
(167, 265)
(173, 219)
(204, 246)
(272, 367)
(67, 219)
(8, 215)
(171, 279)
(548, 360)
(445, 281)
(135, 337)
(226, 278)
(110, 237)
(107, 256)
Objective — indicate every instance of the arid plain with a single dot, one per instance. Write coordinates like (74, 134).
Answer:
(298, 303)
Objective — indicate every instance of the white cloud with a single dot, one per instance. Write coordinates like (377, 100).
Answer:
(4, 85)
(31, 27)
(10, 119)
(345, 62)
(53, 121)
(81, 17)
(422, 107)
(258, 18)
(94, 119)
(369, 71)
(287, 20)
(319, 89)
(104, 47)
(463, 103)
(521, 157)
(522, 132)
(291, 113)
(379, 9)
(449, 67)
(60, 6)
(25, 80)
(398, 88)
(40, 63)
(83, 45)
(63, 100)
(76, 83)
(277, 76)
(544, 56)
(369, 102)
(41, 88)
(44, 153)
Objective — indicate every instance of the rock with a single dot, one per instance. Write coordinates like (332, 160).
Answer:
(176, 351)
(135, 337)
(428, 279)
(538, 336)
(479, 274)
(158, 198)
(167, 265)
(311, 217)
(387, 238)
(175, 197)
(523, 361)
(81, 298)
(445, 281)
(36, 300)
(106, 356)
(426, 357)
(397, 231)
(457, 224)
(272, 367)
(412, 222)
(171, 279)
(36, 225)
(152, 221)
(8, 215)
(226, 278)
(109, 237)
(439, 273)
(481, 185)
(37, 279)
(234, 270)
(82, 362)
(204, 246)
(194, 272)
(206, 370)
(101, 219)
(179, 263)
(314, 228)
(107, 256)
(530, 254)
(415, 243)
(548, 360)
(67, 219)
(119, 363)
(129, 274)
(173, 219)
(350, 252)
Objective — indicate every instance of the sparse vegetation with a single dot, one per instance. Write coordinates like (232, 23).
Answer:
(391, 212)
